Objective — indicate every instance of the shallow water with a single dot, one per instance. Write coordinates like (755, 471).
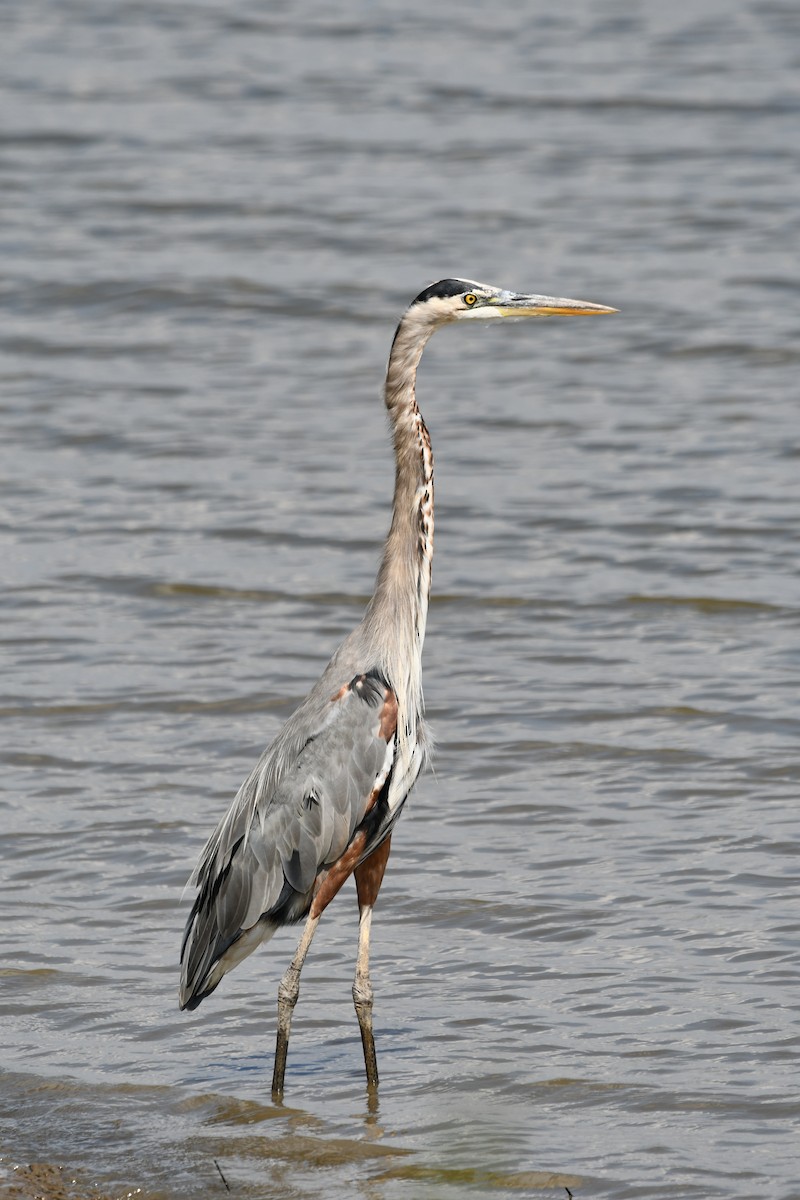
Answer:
(585, 950)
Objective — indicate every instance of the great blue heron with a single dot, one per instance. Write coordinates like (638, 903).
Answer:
(323, 800)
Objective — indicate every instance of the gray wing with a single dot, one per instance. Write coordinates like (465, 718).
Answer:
(293, 817)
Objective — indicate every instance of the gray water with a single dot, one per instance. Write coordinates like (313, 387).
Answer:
(585, 950)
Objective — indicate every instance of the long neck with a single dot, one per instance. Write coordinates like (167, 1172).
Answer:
(398, 611)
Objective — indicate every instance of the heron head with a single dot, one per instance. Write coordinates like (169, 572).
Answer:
(466, 299)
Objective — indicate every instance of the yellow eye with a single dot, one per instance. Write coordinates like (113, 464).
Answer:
(470, 299)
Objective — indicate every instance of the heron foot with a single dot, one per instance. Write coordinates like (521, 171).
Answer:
(363, 1000)
(288, 991)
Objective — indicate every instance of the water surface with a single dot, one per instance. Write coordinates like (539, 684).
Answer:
(585, 951)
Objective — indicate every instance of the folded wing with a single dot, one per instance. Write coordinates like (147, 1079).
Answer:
(293, 818)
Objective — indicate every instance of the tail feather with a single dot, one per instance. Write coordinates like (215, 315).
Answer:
(208, 953)
(200, 974)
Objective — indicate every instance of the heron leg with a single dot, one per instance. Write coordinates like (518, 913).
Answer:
(288, 991)
(369, 876)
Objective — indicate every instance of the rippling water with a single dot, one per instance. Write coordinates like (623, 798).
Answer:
(585, 951)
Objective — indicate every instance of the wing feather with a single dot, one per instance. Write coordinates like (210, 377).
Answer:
(294, 816)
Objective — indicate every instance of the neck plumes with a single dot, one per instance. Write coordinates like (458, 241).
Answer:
(398, 611)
